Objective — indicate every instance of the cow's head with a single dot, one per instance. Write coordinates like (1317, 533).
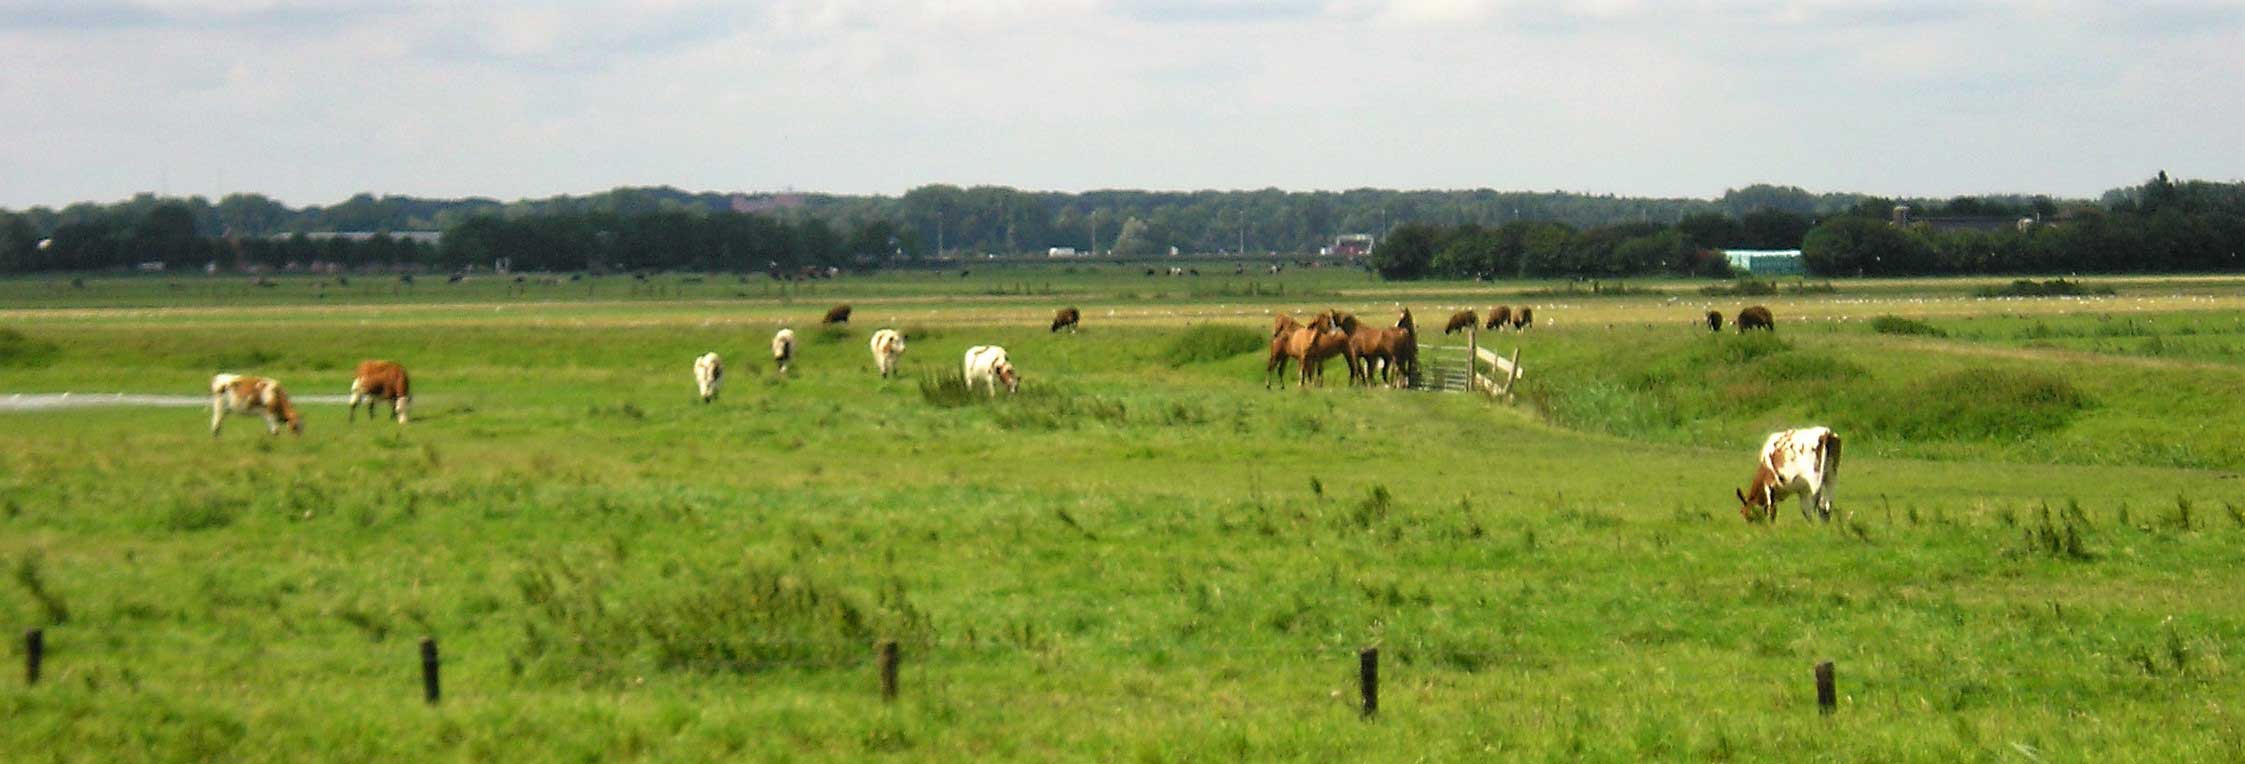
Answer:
(1011, 378)
(1753, 506)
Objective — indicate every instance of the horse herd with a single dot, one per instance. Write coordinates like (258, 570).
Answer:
(1802, 462)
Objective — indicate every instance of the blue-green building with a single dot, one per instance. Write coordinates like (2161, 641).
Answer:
(1766, 262)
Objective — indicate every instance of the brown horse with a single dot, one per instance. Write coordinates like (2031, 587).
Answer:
(1310, 345)
(1500, 317)
(1396, 350)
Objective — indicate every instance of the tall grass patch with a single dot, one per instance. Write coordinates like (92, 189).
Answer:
(1905, 327)
(1213, 342)
(588, 624)
(1972, 404)
(21, 351)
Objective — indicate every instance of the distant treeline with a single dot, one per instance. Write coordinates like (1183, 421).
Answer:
(2161, 226)
(1475, 231)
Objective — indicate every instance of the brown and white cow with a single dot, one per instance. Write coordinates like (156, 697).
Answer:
(380, 381)
(1804, 462)
(709, 372)
(888, 350)
(783, 349)
(988, 365)
(237, 394)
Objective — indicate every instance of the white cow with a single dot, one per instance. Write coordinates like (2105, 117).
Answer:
(1805, 462)
(709, 370)
(987, 364)
(237, 394)
(888, 349)
(783, 348)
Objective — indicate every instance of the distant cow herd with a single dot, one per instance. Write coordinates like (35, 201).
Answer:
(1803, 462)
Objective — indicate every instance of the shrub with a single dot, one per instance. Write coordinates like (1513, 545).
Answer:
(2051, 288)
(1744, 286)
(1905, 326)
(18, 350)
(1214, 342)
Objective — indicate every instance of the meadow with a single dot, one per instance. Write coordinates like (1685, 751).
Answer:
(1146, 555)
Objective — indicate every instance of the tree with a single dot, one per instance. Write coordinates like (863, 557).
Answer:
(1773, 229)
(1853, 246)
(1407, 252)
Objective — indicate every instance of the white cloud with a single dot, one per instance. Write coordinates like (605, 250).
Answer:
(315, 102)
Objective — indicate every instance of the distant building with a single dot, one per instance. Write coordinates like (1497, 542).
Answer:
(1766, 262)
(1352, 244)
(1061, 252)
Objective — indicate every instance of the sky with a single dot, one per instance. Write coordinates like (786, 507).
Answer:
(311, 102)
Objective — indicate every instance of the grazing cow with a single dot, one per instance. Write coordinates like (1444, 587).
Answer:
(1756, 317)
(237, 394)
(839, 314)
(1500, 317)
(888, 348)
(783, 349)
(381, 380)
(709, 370)
(987, 364)
(1714, 321)
(1805, 462)
(1464, 319)
(1066, 319)
(1524, 319)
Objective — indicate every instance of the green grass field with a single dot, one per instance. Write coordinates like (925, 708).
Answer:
(1145, 555)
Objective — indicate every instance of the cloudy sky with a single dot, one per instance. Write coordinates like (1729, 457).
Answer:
(314, 101)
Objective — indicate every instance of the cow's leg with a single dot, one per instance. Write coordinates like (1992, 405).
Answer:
(402, 407)
(217, 413)
(352, 407)
(272, 423)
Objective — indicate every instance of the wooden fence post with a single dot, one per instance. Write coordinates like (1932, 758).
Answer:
(429, 687)
(34, 651)
(888, 670)
(1827, 697)
(1368, 679)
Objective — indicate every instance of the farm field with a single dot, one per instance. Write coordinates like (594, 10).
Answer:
(1146, 555)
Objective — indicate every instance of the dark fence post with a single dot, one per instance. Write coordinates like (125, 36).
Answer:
(34, 651)
(1827, 697)
(1368, 679)
(888, 669)
(429, 688)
